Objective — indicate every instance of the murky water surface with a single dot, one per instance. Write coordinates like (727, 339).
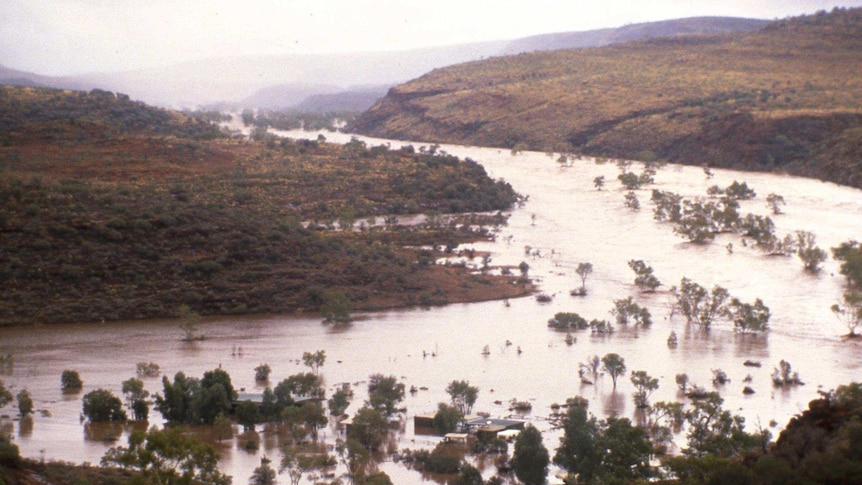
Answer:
(565, 221)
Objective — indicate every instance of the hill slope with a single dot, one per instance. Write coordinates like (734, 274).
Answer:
(788, 97)
(236, 78)
(628, 33)
(111, 209)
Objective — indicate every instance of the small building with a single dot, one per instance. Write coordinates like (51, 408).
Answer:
(489, 428)
(460, 438)
(423, 421)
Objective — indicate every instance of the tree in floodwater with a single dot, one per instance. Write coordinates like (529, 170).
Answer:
(136, 398)
(297, 461)
(189, 321)
(384, 393)
(168, 456)
(668, 206)
(25, 403)
(314, 359)
(699, 305)
(645, 280)
(261, 373)
(808, 252)
(626, 309)
(583, 270)
(530, 457)
(70, 381)
(775, 201)
(849, 312)
(644, 387)
(630, 200)
(264, 474)
(599, 182)
(101, 406)
(336, 308)
(614, 365)
(747, 317)
(463, 395)
(850, 255)
(5, 394)
(713, 430)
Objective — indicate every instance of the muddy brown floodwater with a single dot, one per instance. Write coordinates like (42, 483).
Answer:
(564, 222)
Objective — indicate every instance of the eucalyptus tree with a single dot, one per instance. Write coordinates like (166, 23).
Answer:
(807, 250)
(645, 280)
(645, 385)
(748, 317)
(849, 311)
(463, 395)
(698, 305)
(774, 202)
(530, 457)
(583, 270)
(614, 365)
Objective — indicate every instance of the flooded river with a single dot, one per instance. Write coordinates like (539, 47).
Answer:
(565, 221)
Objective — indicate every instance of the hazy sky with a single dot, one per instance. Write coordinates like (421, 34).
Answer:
(58, 37)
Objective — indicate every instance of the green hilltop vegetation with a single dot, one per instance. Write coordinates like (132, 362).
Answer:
(785, 98)
(111, 209)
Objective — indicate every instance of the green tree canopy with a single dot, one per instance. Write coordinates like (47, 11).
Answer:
(168, 456)
(614, 365)
(463, 395)
(102, 405)
(530, 457)
(384, 393)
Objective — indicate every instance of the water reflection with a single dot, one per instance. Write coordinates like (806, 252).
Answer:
(25, 426)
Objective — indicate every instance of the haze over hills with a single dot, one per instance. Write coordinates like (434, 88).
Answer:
(255, 79)
(787, 97)
(627, 33)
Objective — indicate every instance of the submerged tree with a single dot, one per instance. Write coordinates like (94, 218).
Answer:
(644, 387)
(296, 461)
(189, 321)
(101, 405)
(747, 317)
(784, 376)
(849, 312)
(5, 394)
(70, 381)
(626, 309)
(775, 201)
(614, 365)
(384, 393)
(850, 255)
(630, 200)
(314, 360)
(699, 305)
(645, 280)
(25, 403)
(336, 308)
(168, 456)
(530, 457)
(599, 182)
(463, 395)
(583, 270)
(808, 252)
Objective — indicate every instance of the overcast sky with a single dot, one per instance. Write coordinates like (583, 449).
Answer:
(61, 37)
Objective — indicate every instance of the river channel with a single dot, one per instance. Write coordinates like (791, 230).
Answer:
(564, 221)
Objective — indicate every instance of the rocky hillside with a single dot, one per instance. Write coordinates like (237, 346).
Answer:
(787, 98)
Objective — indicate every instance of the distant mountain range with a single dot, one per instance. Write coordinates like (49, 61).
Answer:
(322, 82)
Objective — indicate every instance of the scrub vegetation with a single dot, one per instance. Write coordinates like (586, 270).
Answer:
(111, 210)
